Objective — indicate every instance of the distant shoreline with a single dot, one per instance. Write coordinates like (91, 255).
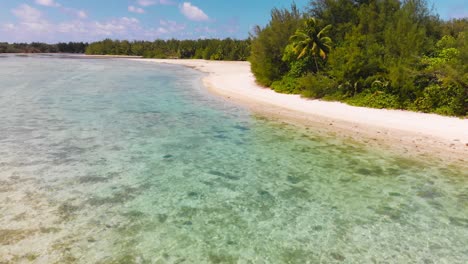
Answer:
(409, 132)
(77, 55)
(112, 56)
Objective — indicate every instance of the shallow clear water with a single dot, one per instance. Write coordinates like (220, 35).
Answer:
(113, 161)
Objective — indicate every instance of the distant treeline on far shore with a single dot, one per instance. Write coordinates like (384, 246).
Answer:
(209, 49)
(37, 47)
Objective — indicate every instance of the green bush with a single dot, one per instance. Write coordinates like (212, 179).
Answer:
(442, 100)
(317, 85)
(300, 67)
(268, 44)
(385, 54)
(375, 100)
(287, 84)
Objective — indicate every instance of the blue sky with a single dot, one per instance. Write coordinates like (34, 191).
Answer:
(89, 20)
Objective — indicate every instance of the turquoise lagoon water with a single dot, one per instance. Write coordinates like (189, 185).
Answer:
(114, 161)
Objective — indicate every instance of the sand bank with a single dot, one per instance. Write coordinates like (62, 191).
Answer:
(425, 133)
(111, 56)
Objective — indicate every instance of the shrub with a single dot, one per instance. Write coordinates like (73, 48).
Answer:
(268, 44)
(286, 85)
(442, 100)
(317, 85)
(376, 100)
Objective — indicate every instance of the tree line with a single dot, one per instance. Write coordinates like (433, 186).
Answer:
(37, 47)
(376, 53)
(208, 49)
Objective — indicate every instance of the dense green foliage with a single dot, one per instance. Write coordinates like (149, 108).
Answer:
(377, 53)
(270, 42)
(36, 47)
(209, 49)
(308, 41)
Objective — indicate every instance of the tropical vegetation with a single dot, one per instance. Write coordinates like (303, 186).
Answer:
(37, 47)
(376, 53)
(208, 49)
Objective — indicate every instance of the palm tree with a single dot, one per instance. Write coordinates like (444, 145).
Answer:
(311, 41)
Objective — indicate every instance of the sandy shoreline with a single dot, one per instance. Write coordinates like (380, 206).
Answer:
(112, 56)
(410, 132)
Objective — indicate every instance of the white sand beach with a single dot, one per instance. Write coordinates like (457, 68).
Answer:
(426, 133)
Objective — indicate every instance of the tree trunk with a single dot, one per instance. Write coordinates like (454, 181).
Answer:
(316, 64)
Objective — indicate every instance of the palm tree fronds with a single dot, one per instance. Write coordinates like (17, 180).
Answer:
(309, 40)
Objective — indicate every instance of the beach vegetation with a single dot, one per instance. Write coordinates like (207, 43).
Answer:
(270, 42)
(309, 41)
(208, 49)
(38, 47)
(374, 53)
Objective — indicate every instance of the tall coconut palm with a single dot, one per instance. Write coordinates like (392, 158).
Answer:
(310, 40)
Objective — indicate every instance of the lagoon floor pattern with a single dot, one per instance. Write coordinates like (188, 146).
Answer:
(113, 161)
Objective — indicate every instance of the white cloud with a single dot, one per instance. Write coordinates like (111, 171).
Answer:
(81, 14)
(27, 13)
(146, 2)
(32, 26)
(30, 20)
(119, 26)
(71, 27)
(162, 30)
(47, 3)
(171, 26)
(154, 2)
(193, 12)
(8, 26)
(166, 2)
(134, 9)
(205, 30)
